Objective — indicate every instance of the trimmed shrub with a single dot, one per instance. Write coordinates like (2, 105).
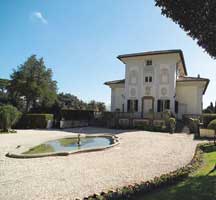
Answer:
(212, 125)
(193, 125)
(207, 118)
(172, 124)
(8, 117)
(34, 120)
(141, 123)
(77, 114)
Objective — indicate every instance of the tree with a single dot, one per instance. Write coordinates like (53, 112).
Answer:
(69, 101)
(196, 17)
(96, 106)
(215, 107)
(8, 117)
(4, 84)
(32, 84)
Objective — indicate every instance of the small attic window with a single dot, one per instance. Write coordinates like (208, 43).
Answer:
(148, 62)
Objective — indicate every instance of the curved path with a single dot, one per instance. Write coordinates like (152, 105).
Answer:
(141, 155)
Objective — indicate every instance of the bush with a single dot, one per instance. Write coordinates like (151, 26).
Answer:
(34, 120)
(172, 124)
(207, 118)
(212, 125)
(8, 117)
(193, 125)
(77, 114)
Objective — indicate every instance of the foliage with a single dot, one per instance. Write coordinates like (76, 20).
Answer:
(212, 124)
(96, 106)
(34, 121)
(199, 185)
(210, 108)
(207, 118)
(4, 83)
(32, 84)
(196, 17)
(69, 101)
(193, 125)
(172, 124)
(4, 99)
(77, 114)
(8, 117)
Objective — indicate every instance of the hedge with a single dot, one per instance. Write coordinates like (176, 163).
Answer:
(77, 114)
(34, 120)
(207, 118)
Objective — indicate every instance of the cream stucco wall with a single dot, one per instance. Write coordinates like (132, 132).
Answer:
(137, 89)
(189, 95)
(117, 97)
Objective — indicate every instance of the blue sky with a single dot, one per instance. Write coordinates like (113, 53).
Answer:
(80, 40)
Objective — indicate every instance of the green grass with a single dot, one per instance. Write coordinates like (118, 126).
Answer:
(200, 185)
(42, 148)
(9, 132)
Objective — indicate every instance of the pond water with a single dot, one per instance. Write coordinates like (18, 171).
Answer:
(71, 144)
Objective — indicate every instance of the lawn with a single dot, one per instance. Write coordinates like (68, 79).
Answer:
(200, 185)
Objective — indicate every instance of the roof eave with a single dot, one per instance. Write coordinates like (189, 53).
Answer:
(178, 51)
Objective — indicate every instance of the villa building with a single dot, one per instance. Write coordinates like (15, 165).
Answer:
(157, 81)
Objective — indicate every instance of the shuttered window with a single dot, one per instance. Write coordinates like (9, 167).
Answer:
(167, 104)
(176, 106)
(159, 105)
(132, 105)
(163, 105)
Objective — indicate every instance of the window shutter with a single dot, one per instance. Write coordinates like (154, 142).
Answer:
(159, 105)
(167, 104)
(176, 106)
(128, 105)
(136, 105)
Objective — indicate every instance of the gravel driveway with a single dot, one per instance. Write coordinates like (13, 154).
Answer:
(141, 155)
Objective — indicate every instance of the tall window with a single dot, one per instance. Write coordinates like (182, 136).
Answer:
(176, 106)
(148, 62)
(163, 105)
(148, 79)
(132, 105)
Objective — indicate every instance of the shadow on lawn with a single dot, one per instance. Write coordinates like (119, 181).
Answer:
(194, 188)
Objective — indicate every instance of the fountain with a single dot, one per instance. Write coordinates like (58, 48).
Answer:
(78, 139)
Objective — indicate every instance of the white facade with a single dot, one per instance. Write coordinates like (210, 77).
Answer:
(157, 81)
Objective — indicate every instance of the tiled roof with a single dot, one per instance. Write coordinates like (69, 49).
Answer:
(149, 53)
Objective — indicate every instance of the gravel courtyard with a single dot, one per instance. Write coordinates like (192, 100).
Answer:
(141, 155)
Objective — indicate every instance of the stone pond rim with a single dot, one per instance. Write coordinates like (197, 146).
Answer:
(66, 153)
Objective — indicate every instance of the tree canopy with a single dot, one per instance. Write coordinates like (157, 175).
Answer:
(32, 82)
(196, 17)
(68, 101)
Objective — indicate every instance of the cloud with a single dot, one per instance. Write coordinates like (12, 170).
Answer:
(40, 17)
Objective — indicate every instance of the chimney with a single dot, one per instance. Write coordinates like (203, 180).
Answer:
(198, 76)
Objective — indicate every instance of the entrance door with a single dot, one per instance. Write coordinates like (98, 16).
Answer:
(148, 105)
